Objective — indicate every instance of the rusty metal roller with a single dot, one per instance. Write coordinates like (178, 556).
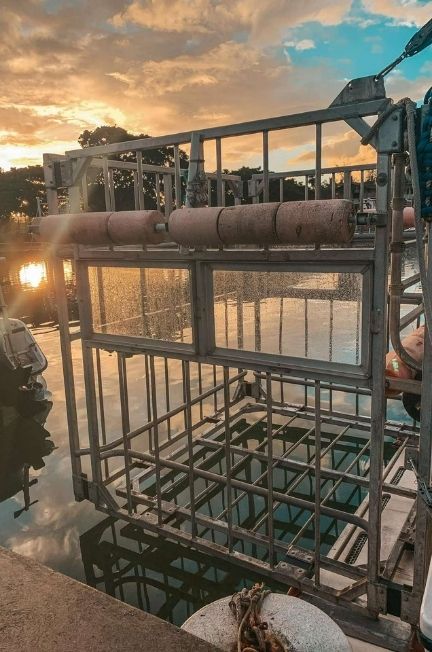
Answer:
(321, 221)
(108, 228)
(195, 227)
(248, 224)
(313, 222)
(218, 226)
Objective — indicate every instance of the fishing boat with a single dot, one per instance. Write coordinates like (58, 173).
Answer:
(22, 363)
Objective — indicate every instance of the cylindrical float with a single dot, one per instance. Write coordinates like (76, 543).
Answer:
(195, 227)
(298, 223)
(318, 221)
(396, 368)
(248, 224)
(107, 228)
(135, 227)
(298, 625)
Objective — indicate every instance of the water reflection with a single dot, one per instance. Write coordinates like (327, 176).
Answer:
(24, 443)
(28, 288)
(164, 578)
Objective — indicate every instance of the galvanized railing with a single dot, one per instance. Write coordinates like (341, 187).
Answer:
(220, 391)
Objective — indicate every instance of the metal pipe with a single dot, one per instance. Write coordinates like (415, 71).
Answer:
(396, 288)
(246, 486)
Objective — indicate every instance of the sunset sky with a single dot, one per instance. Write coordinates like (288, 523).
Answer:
(161, 66)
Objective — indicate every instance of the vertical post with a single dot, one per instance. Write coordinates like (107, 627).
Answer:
(219, 195)
(361, 192)
(281, 190)
(378, 402)
(125, 426)
(228, 456)
(347, 184)
(111, 189)
(188, 424)
(84, 190)
(140, 180)
(306, 188)
(68, 370)
(124, 399)
(318, 156)
(105, 174)
(157, 190)
(156, 440)
(135, 188)
(84, 304)
(422, 550)
(196, 192)
(333, 185)
(167, 183)
(317, 519)
(270, 465)
(266, 181)
(101, 406)
(177, 177)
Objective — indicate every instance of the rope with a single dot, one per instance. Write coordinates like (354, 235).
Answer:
(253, 634)
(413, 148)
(420, 152)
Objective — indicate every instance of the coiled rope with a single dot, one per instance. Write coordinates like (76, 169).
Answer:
(253, 634)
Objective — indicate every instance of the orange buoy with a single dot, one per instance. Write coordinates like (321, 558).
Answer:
(396, 368)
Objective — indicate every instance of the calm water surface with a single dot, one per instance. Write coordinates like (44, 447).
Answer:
(46, 524)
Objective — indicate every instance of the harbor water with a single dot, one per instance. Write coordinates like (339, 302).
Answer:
(39, 516)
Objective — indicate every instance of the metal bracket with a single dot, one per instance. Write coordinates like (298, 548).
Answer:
(53, 170)
(80, 485)
(390, 134)
(63, 174)
(362, 89)
(245, 388)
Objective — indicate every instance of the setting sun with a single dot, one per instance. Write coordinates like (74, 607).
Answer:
(32, 274)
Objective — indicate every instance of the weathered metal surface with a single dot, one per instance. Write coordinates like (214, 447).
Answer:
(213, 373)
(315, 222)
(108, 228)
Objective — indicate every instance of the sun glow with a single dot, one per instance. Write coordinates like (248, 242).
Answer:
(32, 274)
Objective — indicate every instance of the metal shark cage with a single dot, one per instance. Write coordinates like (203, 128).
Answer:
(211, 419)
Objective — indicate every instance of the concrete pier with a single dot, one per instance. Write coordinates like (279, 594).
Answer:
(44, 611)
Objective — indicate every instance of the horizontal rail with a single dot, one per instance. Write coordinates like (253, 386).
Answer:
(331, 114)
(311, 172)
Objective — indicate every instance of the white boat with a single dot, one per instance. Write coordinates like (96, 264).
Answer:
(22, 363)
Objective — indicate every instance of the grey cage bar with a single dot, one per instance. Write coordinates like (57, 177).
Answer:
(214, 418)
